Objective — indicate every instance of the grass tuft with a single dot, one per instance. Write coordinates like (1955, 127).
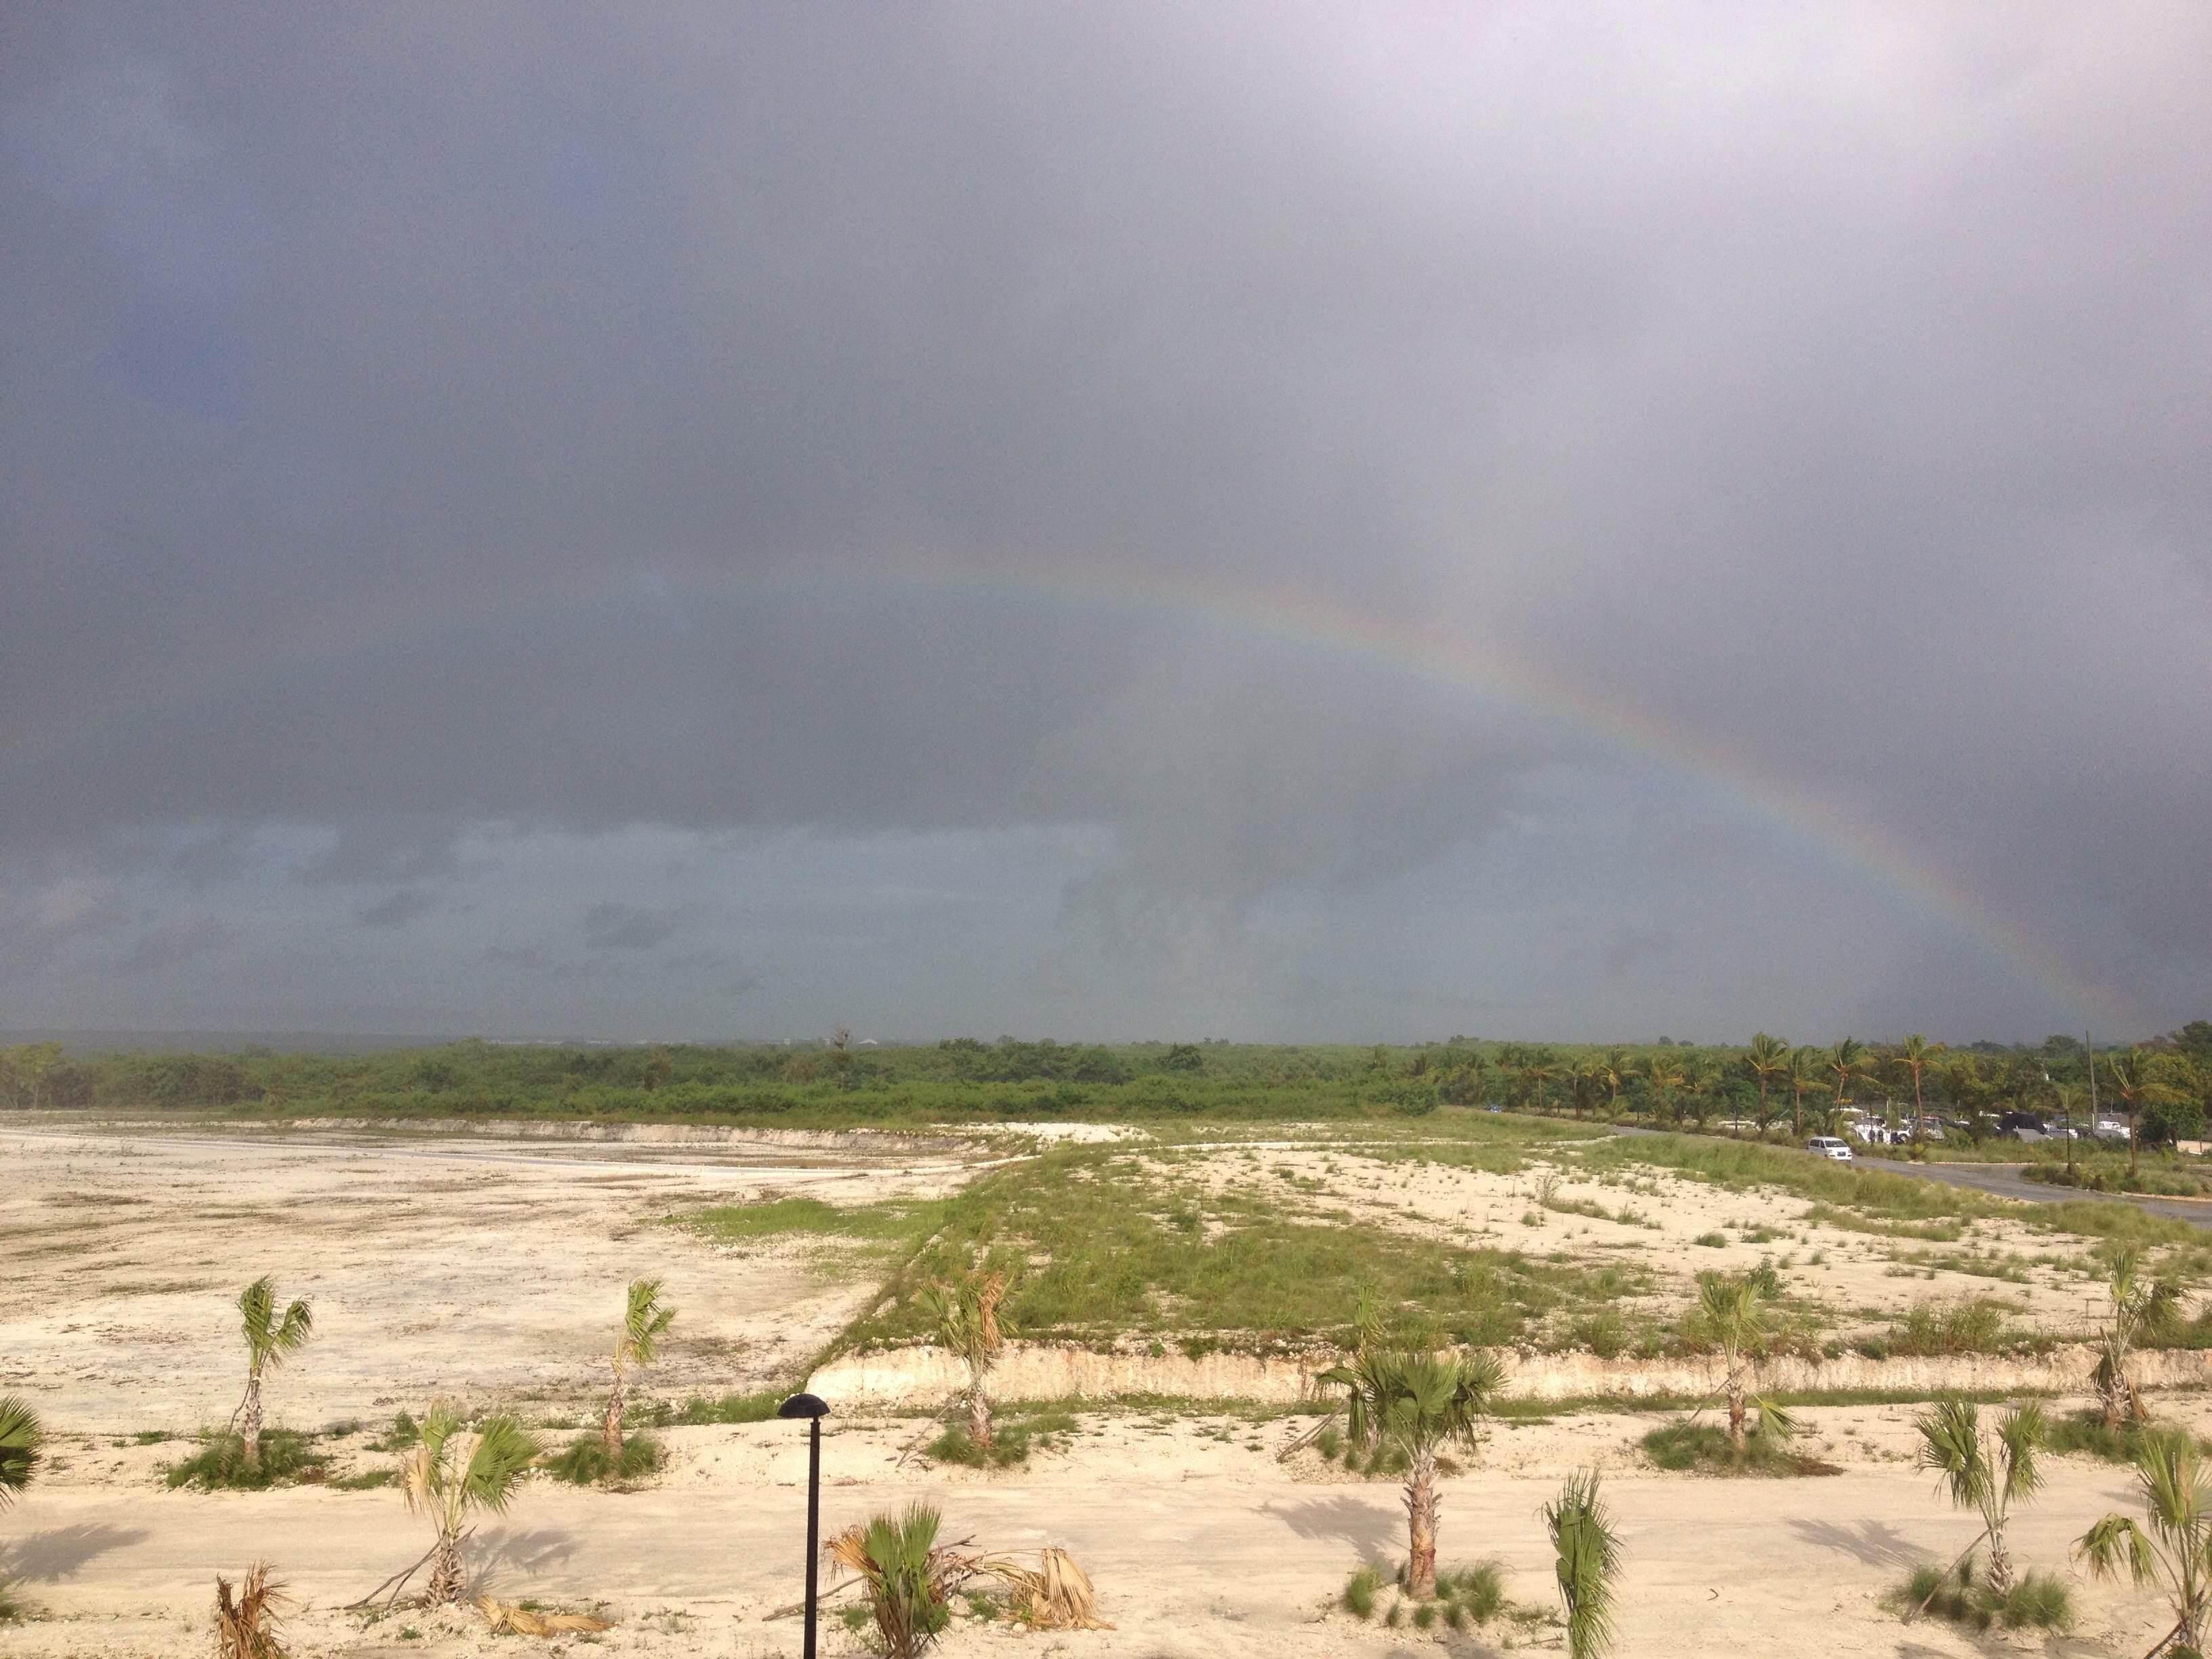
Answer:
(1705, 1449)
(1360, 1590)
(584, 1462)
(2039, 1601)
(288, 1458)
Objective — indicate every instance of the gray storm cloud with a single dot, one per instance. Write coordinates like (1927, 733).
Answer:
(577, 515)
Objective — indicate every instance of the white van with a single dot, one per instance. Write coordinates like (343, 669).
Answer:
(1829, 1146)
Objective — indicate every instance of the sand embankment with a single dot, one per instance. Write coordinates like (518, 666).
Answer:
(924, 1376)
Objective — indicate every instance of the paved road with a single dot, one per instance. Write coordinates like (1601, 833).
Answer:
(2006, 1180)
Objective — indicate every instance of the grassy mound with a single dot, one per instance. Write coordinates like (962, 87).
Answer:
(584, 1462)
(1013, 1438)
(2085, 1431)
(2040, 1601)
(1705, 1449)
(288, 1458)
(1465, 1597)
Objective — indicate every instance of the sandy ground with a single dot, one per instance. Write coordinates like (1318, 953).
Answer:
(436, 1267)
(493, 1272)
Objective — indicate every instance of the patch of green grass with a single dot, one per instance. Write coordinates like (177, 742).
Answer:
(1971, 1324)
(1712, 1241)
(584, 1462)
(1103, 1243)
(405, 1433)
(1014, 1436)
(698, 1411)
(1357, 1597)
(288, 1458)
(2086, 1432)
(892, 1223)
(367, 1480)
(1705, 1449)
(2037, 1601)
(151, 1437)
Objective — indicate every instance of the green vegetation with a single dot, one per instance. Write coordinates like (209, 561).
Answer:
(288, 1458)
(1587, 1553)
(2037, 1601)
(1018, 1434)
(586, 1461)
(2145, 1309)
(963, 1316)
(1418, 1401)
(1706, 1449)
(449, 1477)
(1986, 1472)
(735, 1224)
(1108, 1243)
(698, 1411)
(906, 1579)
(645, 1322)
(270, 1339)
(21, 1436)
(2175, 1554)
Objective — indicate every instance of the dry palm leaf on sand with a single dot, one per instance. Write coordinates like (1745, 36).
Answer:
(508, 1619)
(1059, 1591)
(246, 1625)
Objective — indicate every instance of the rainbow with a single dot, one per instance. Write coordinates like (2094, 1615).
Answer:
(1311, 623)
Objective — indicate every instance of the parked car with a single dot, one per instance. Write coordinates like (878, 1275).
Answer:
(1829, 1146)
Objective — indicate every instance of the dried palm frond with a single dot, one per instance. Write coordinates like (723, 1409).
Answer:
(508, 1619)
(1058, 1591)
(245, 1626)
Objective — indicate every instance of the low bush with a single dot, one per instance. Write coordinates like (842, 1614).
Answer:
(698, 1411)
(1705, 1449)
(1359, 1591)
(2037, 1600)
(585, 1462)
(1465, 1596)
(288, 1458)
(1014, 1437)
(2086, 1432)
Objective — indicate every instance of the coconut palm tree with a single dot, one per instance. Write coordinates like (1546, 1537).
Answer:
(2176, 1554)
(1613, 1071)
(20, 1436)
(645, 1322)
(450, 1474)
(2144, 1308)
(270, 1339)
(1665, 1077)
(1588, 1552)
(1987, 1472)
(2132, 1079)
(1802, 1072)
(1767, 1058)
(1419, 1402)
(1540, 1068)
(966, 1313)
(1731, 1312)
(1843, 1062)
(1913, 1054)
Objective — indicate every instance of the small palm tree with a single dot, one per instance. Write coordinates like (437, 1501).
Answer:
(1588, 1560)
(1768, 1058)
(1665, 1077)
(1732, 1312)
(1914, 1054)
(907, 1580)
(2176, 1554)
(2144, 1308)
(20, 1436)
(270, 1339)
(1985, 1472)
(1802, 1072)
(645, 1322)
(450, 1475)
(1419, 1403)
(2132, 1079)
(966, 1313)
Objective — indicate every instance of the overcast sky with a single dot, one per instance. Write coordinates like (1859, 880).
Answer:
(1336, 522)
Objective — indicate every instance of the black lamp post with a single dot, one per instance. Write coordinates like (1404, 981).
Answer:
(813, 1409)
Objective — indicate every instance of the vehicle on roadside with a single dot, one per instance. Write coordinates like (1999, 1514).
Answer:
(1829, 1146)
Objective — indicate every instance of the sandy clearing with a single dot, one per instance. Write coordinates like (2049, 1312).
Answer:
(434, 1269)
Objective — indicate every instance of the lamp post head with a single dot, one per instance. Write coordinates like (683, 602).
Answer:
(804, 1404)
